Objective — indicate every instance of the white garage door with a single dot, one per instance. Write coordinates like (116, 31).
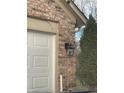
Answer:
(40, 62)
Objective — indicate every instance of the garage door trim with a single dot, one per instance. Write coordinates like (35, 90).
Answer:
(56, 41)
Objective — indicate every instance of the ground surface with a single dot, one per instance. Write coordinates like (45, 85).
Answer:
(80, 92)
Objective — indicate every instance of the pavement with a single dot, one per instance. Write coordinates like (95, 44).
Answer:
(80, 92)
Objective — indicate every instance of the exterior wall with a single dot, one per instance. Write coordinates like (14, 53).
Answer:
(49, 10)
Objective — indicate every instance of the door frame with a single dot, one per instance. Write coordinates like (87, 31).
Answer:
(52, 28)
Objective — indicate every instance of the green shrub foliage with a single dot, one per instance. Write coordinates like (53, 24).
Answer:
(87, 58)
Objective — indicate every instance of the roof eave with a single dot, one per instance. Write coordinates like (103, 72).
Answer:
(77, 15)
(81, 18)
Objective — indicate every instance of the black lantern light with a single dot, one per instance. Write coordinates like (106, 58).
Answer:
(69, 49)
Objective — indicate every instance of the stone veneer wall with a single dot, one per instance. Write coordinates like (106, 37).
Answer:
(49, 10)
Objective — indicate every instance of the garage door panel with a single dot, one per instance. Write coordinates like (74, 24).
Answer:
(40, 61)
(41, 40)
(40, 82)
(29, 39)
(43, 71)
(36, 39)
(29, 82)
(28, 61)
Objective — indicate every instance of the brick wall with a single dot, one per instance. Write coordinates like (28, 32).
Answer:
(49, 10)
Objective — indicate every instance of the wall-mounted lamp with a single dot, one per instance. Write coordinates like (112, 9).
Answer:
(70, 49)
